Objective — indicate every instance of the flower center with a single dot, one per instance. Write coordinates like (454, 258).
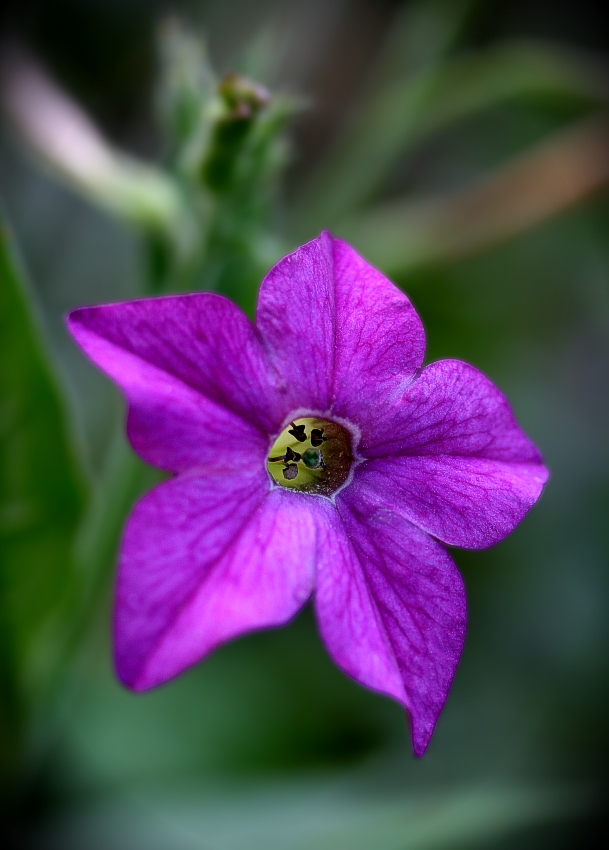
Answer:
(311, 455)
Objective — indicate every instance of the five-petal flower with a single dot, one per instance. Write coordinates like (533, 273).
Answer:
(400, 461)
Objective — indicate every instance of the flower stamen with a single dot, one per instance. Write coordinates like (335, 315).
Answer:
(298, 432)
(317, 437)
(312, 470)
(290, 472)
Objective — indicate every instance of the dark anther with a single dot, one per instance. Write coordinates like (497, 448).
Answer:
(290, 472)
(288, 457)
(298, 432)
(317, 437)
(313, 459)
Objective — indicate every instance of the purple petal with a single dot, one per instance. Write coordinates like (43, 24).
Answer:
(391, 608)
(204, 560)
(468, 502)
(380, 339)
(451, 409)
(199, 385)
(344, 337)
(454, 458)
(296, 319)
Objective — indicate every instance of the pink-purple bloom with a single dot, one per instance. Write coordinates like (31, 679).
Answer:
(311, 456)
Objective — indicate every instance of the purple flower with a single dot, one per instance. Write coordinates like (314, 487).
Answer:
(311, 455)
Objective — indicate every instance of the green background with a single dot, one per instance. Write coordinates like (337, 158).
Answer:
(380, 107)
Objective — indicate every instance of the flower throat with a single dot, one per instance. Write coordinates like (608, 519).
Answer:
(311, 455)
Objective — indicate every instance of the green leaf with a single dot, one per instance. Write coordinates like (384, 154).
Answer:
(65, 139)
(41, 501)
(187, 86)
(405, 235)
(414, 107)
(422, 33)
(343, 814)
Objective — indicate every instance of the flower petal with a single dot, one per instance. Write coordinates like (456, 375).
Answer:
(296, 319)
(468, 502)
(199, 384)
(204, 560)
(391, 608)
(344, 337)
(380, 339)
(450, 409)
(454, 457)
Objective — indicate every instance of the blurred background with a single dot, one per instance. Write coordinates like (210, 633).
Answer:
(463, 148)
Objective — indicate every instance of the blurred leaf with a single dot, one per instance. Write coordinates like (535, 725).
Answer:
(123, 480)
(414, 107)
(326, 815)
(403, 235)
(187, 85)
(423, 32)
(41, 501)
(69, 143)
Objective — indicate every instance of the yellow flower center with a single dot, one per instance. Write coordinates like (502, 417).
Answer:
(311, 455)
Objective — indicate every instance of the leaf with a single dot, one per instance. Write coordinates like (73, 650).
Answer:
(326, 815)
(407, 234)
(71, 146)
(422, 33)
(414, 107)
(42, 494)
